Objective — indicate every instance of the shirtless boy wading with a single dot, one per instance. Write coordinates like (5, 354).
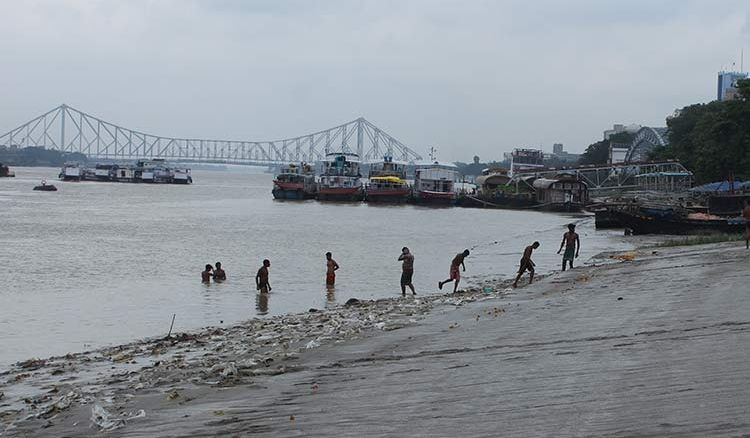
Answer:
(572, 245)
(407, 270)
(331, 268)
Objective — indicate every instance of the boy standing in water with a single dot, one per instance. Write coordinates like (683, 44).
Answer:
(407, 270)
(572, 245)
(261, 278)
(455, 274)
(527, 264)
(331, 268)
(206, 275)
(219, 274)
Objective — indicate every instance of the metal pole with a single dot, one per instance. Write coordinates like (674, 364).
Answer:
(62, 129)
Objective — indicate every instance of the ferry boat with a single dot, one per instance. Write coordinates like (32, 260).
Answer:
(71, 172)
(295, 181)
(435, 184)
(341, 178)
(387, 182)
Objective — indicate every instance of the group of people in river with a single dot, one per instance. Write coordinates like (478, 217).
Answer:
(570, 242)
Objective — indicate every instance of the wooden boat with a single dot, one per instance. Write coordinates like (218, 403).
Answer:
(649, 222)
(341, 178)
(295, 181)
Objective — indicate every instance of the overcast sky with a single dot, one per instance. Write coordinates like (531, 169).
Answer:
(469, 77)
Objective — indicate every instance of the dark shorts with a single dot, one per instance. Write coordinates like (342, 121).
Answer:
(406, 277)
(263, 287)
(525, 266)
(570, 253)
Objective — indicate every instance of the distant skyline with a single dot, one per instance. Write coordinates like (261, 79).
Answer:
(467, 77)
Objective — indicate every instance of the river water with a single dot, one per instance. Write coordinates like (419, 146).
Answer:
(98, 264)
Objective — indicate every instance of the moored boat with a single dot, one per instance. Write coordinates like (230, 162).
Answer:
(435, 184)
(648, 222)
(71, 172)
(341, 178)
(565, 193)
(387, 182)
(295, 181)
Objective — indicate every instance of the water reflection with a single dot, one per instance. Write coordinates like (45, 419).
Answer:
(330, 297)
(261, 303)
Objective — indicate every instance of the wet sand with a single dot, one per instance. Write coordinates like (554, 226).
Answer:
(656, 346)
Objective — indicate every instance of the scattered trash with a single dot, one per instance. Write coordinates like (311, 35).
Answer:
(626, 257)
(218, 413)
(106, 421)
(312, 344)
(173, 395)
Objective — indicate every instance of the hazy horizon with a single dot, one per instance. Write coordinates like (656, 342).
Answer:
(477, 77)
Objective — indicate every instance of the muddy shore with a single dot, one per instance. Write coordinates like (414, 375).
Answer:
(655, 345)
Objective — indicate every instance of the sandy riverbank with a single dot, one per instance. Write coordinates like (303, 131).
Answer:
(565, 356)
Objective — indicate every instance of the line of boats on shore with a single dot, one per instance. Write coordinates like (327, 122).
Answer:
(434, 183)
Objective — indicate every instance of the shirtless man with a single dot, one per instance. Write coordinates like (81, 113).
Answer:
(407, 270)
(746, 214)
(331, 268)
(527, 264)
(261, 278)
(572, 245)
(219, 274)
(455, 274)
(206, 275)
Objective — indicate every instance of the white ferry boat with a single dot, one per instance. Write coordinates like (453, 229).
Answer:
(436, 183)
(341, 178)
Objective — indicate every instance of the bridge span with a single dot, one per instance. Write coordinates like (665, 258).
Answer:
(67, 129)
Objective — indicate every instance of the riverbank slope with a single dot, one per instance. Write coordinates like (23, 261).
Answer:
(653, 346)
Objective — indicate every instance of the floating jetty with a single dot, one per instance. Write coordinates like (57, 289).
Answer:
(154, 171)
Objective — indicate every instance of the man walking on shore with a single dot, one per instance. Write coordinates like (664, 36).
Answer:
(455, 273)
(331, 268)
(746, 214)
(527, 264)
(261, 278)
(407, 270)
(572, 245)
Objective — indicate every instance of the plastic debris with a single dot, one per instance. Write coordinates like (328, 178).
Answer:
(312, 344)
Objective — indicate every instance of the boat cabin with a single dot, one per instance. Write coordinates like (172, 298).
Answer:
(492, 180)
(563, 189)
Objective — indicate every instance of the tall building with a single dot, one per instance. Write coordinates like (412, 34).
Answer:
(618, 128)
(557, 148)
(727, 84)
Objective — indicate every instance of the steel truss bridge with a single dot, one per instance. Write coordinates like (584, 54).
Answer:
(622, 176)
(67, 129)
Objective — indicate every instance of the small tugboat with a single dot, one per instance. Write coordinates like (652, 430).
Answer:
(295, 181)
(5, 172)
(341, 179)
(44, 187)
(669, 220)
(387, 182)
(435, 184)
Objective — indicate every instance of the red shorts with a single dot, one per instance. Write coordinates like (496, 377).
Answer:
(331, 278)
(455, 273)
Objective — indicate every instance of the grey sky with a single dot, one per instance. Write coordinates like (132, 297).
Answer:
(465, 76)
